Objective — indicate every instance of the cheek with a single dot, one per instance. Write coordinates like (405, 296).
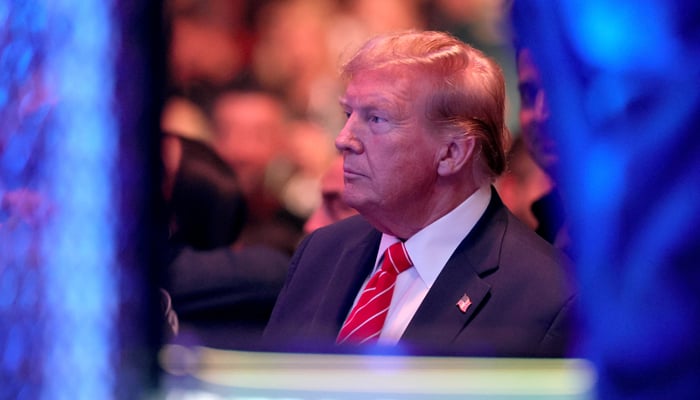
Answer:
(526, 117)
(390, 161)
(413, 168)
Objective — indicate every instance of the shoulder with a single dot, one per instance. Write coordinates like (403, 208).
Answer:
(534, 269)
(522, 258)
(197, 268)
(521, 245)
(258, 254)
(227, 257)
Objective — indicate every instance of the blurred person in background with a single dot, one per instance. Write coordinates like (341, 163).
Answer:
(332, 208)
(251, 133)
(358, 20)
(293, 57)
(522, 183)
(624, 110)
(222, 290)
(210, 44)
(206, 203)
(548, 209)
(310, 152)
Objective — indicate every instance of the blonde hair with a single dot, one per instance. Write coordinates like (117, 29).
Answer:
(467, 93)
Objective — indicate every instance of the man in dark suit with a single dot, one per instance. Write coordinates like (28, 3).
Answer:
(423, 141)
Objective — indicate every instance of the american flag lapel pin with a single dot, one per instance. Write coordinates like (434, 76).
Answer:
(463, 303)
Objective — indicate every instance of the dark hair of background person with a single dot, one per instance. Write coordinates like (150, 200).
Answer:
(221, 290)
(207, 205)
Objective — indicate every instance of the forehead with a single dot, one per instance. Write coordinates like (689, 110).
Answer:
(527, 71)
(380, 88)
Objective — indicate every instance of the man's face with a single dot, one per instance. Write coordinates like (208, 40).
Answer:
(390, 154)
(534, 113)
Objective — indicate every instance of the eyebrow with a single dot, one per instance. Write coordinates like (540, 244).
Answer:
(528, 85)
(372, 102)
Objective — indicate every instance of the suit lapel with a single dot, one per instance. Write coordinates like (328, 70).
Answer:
(439, 319)
(353, 265)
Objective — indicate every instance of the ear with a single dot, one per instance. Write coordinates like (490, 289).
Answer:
(455, 154)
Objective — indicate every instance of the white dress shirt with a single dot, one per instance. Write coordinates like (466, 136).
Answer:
(429, 249)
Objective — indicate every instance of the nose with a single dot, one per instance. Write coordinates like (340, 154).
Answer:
(541, 107)
(346, 139)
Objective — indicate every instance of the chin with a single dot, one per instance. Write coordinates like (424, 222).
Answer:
(353, 202)
(356, 201)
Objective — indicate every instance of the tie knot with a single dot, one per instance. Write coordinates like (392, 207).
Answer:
(396, 259)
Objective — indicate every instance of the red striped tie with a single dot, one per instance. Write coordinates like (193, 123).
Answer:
(366, 319)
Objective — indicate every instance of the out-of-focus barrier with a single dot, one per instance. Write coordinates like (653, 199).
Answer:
(205, 373)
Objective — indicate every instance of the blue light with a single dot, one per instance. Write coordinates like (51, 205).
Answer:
(9, 282)
(604, 176)
(4, 13)
(58, 264)
(632, 179)
(619, 35)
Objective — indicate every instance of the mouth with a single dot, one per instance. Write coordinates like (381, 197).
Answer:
(350, 173)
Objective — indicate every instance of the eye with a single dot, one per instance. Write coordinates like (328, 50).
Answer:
(528, 94)
(376, 120)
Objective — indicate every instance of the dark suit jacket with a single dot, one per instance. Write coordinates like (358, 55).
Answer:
(223, 297)
(522, 300)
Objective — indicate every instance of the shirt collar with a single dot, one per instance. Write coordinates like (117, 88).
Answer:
(432, 246)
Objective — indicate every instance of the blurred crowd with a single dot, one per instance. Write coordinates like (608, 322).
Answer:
(293, 48)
